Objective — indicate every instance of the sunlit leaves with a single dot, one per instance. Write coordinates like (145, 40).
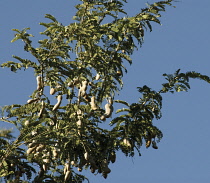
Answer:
(180, 81)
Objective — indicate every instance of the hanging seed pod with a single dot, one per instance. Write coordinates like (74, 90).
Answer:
(47, 160)
(79, 123)
(26, 123)
(30, 150)
(34, 132)
(148, 143)
(39, 83)
(79, 112)
(40, 148)
(126, 142)
(66, 168)
(154, 145)
(74, 163)
(93, 104)
(37, 154)
(103, 118)
(84, 84)
(44, 166)
(33, 143)
(83, 88)
(41, 110)
(67, 175)
(59, 99)
(110, 100)
(86, 156)
(119, 73)
(52, 91)
(79, 169)
(55, 153)
(30, 101)
(108, 110)
(149, 140)
(97, 77)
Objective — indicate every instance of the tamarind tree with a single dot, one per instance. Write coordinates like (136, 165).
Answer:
(82, 65)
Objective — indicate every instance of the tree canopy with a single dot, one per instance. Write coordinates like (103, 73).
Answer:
(83, 64)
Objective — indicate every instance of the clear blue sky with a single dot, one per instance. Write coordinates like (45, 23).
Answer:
(181, 42)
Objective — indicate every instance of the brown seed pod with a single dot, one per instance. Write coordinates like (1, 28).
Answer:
(30, 150)
(148, 143)
(55, 153)
(79, 123)
(66, 168)
(52, 91)
(97, 77)
(46, 160)
(67, 175)
(93, 104)
(30, 101)
(59, 99)
(79, 169)
(83, 88)
(39, 83)
(26, 123)
(40, 148)
(108, 110)
(103, 118)
(119, 73)
(44, 166)
(41, 110)
(86, 156)
(74, 163)
(126, 142)
(32, 144)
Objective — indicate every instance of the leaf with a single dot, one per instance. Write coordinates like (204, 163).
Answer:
(122, 110)
(122, 102)
(18, 36)
(51, 17)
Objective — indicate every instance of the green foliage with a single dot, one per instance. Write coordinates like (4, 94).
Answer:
(14, 163)
(82, 63)
(180, 81)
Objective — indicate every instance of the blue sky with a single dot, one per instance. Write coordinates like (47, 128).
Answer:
(181, 42)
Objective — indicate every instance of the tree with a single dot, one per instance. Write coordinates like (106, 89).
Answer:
(82, 63)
